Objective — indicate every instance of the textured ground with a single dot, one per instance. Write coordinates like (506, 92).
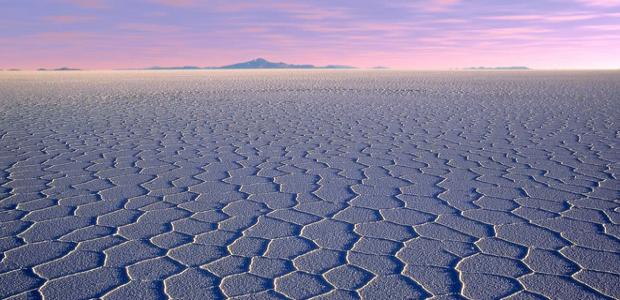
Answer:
(299, 184)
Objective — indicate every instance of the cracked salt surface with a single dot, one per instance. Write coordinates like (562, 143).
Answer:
(301, 184)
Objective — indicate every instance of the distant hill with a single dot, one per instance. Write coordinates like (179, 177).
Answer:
(336, 67)
(259, 63)
(59, 69)
(498, 68)
(174, 68)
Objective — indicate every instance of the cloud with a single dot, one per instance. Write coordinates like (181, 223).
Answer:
(91, 4)
(233, 7)
(601, 3)
(213, 32)
(149, 27)
(178, 3)
(68, 19)
(440, 5)
(565, 17)
(514, 30)
(606, 27)
(434, 5)
(307, 12)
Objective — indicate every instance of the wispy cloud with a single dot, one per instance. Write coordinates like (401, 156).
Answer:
(513, 32)
(606, 27)
(405, 33)
(69, 19)
(433, 5)
(149, 27)
(602, 3)
(234, 7)
(308, 12)
(564, 17)
(92, 4)
(178, 3)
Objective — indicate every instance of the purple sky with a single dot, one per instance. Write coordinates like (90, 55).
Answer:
(422, 34)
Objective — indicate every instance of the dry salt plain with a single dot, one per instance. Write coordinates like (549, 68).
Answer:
(302, 184)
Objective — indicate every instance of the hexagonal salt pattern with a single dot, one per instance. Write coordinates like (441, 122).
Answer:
(302, 184)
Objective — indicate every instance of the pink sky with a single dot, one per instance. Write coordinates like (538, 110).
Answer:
(422, 34)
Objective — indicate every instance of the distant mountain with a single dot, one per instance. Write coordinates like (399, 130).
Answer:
(59, 69)
(336, 67)
(499, 68)
(259, 63)
(174, 68)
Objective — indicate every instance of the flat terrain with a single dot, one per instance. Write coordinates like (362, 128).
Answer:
(300, 184)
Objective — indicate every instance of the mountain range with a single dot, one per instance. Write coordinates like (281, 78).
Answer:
(59, 69)
(259, 63)
(498, 68)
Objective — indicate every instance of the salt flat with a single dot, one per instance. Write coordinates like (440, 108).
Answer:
(300, 184)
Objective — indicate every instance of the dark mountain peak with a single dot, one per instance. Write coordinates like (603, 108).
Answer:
(261, 63)
(59, 69)
(257, 63)
(499, 68)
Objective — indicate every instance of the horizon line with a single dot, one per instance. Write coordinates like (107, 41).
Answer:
(353, 68)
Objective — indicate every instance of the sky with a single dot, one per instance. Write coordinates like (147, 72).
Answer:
(414, 34)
